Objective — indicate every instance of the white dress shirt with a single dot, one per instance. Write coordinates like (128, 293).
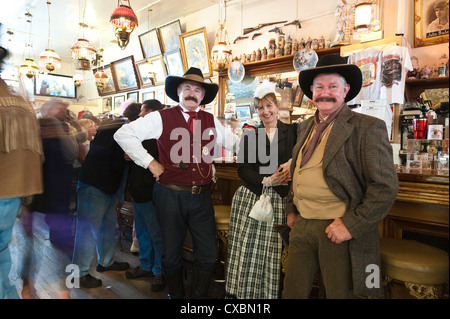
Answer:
(131, 135)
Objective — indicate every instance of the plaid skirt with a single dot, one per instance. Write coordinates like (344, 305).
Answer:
(254, 248)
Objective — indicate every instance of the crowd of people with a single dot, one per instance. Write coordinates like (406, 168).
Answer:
(331, 180)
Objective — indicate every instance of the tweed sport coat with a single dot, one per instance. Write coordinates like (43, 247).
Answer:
(359, 169)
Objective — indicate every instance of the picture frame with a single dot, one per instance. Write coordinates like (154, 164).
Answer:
(125, 74)
(134, 96)
(243, 112)
(169, 36)
(106, 104)
(174, 63)
(55, 85)
(149, 95)
(150, 43)
(118, 100)
(425, 30)
(160, 95)
(159, 67)
(195, 51)
(110, 87)
(142, 69)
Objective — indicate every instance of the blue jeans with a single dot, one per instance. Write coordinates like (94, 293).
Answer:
(9, 207)
(149, 236)
(96, 222)
(177, 210)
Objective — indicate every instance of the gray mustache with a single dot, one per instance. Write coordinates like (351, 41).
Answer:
(325, 99)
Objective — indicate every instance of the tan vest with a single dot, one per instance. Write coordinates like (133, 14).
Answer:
(312, 196)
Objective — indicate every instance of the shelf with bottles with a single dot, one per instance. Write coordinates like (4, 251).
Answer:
(428, 155)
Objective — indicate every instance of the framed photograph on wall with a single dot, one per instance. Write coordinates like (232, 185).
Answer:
(143, 68)
(159, 67)
(134, 96)
(106, 104)
(174, 63)
(169, 36)
(118, 100)
(431, 22)
(150, 44)
(149, 95)
(243, 112)
(125, 74)
(195, 51)
(110, 87)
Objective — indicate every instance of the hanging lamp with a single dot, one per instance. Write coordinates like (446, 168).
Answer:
(221, 52)
(123, 20)
(83, 52)
(49, 58)
(101, 78)
(28, 67)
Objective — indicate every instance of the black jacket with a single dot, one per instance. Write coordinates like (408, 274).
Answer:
(249, 169)
(104, 165)
(141, 180)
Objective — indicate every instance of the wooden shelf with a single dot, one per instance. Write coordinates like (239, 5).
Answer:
(413, 87)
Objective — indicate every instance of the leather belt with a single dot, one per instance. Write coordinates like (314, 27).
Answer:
(196, 189)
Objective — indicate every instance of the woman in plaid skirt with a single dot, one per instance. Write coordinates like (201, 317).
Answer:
(254, 246)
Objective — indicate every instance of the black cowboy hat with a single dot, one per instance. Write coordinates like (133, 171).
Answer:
(194, 75)
(332, 63)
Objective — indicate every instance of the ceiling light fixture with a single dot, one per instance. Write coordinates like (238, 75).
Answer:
(83, 52)
(124, 20)
(221, 52)
(28, 67)
(49, 58)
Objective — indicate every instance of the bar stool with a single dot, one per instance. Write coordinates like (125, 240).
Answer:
(422, 268)
(222, 215)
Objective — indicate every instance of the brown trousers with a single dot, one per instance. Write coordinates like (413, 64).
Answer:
(311, 250)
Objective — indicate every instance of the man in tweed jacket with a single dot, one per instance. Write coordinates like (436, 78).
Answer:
(344, 184)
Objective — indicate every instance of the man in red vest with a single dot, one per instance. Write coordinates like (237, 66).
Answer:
(186, 138)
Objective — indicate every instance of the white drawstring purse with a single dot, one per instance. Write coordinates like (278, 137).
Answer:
(263, 210)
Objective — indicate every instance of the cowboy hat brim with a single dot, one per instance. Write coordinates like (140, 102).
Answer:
(351, 73)
(172, 83)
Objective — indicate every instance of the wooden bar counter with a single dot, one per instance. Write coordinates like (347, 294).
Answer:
(421, 208)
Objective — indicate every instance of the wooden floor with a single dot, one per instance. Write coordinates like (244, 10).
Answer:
(47, 270)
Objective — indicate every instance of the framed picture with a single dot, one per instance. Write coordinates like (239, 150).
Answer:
(110, 87)
(55, 85)
(149, 95)
(243, 112)
(106, 104)
(431, 22)
(134, 96)
(160, 94)
(149, 42)
(174, 63)
(145, 79)
(159, 67)
(125, 74)
(169, 36)
(195, 51)
(118, 100)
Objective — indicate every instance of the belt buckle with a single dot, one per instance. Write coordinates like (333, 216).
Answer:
(196, 190)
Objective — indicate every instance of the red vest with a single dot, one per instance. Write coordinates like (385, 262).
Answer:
(186, 161)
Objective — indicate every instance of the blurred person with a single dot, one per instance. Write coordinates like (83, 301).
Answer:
(60, 152)
(89, 127)
(148, 232)
(101, 184)
(60, 147)
(343, 184)
(182, 196)
(253, 268)
(20, 169)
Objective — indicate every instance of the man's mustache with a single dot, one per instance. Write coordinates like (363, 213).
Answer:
(325, 99)
(192, 98)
